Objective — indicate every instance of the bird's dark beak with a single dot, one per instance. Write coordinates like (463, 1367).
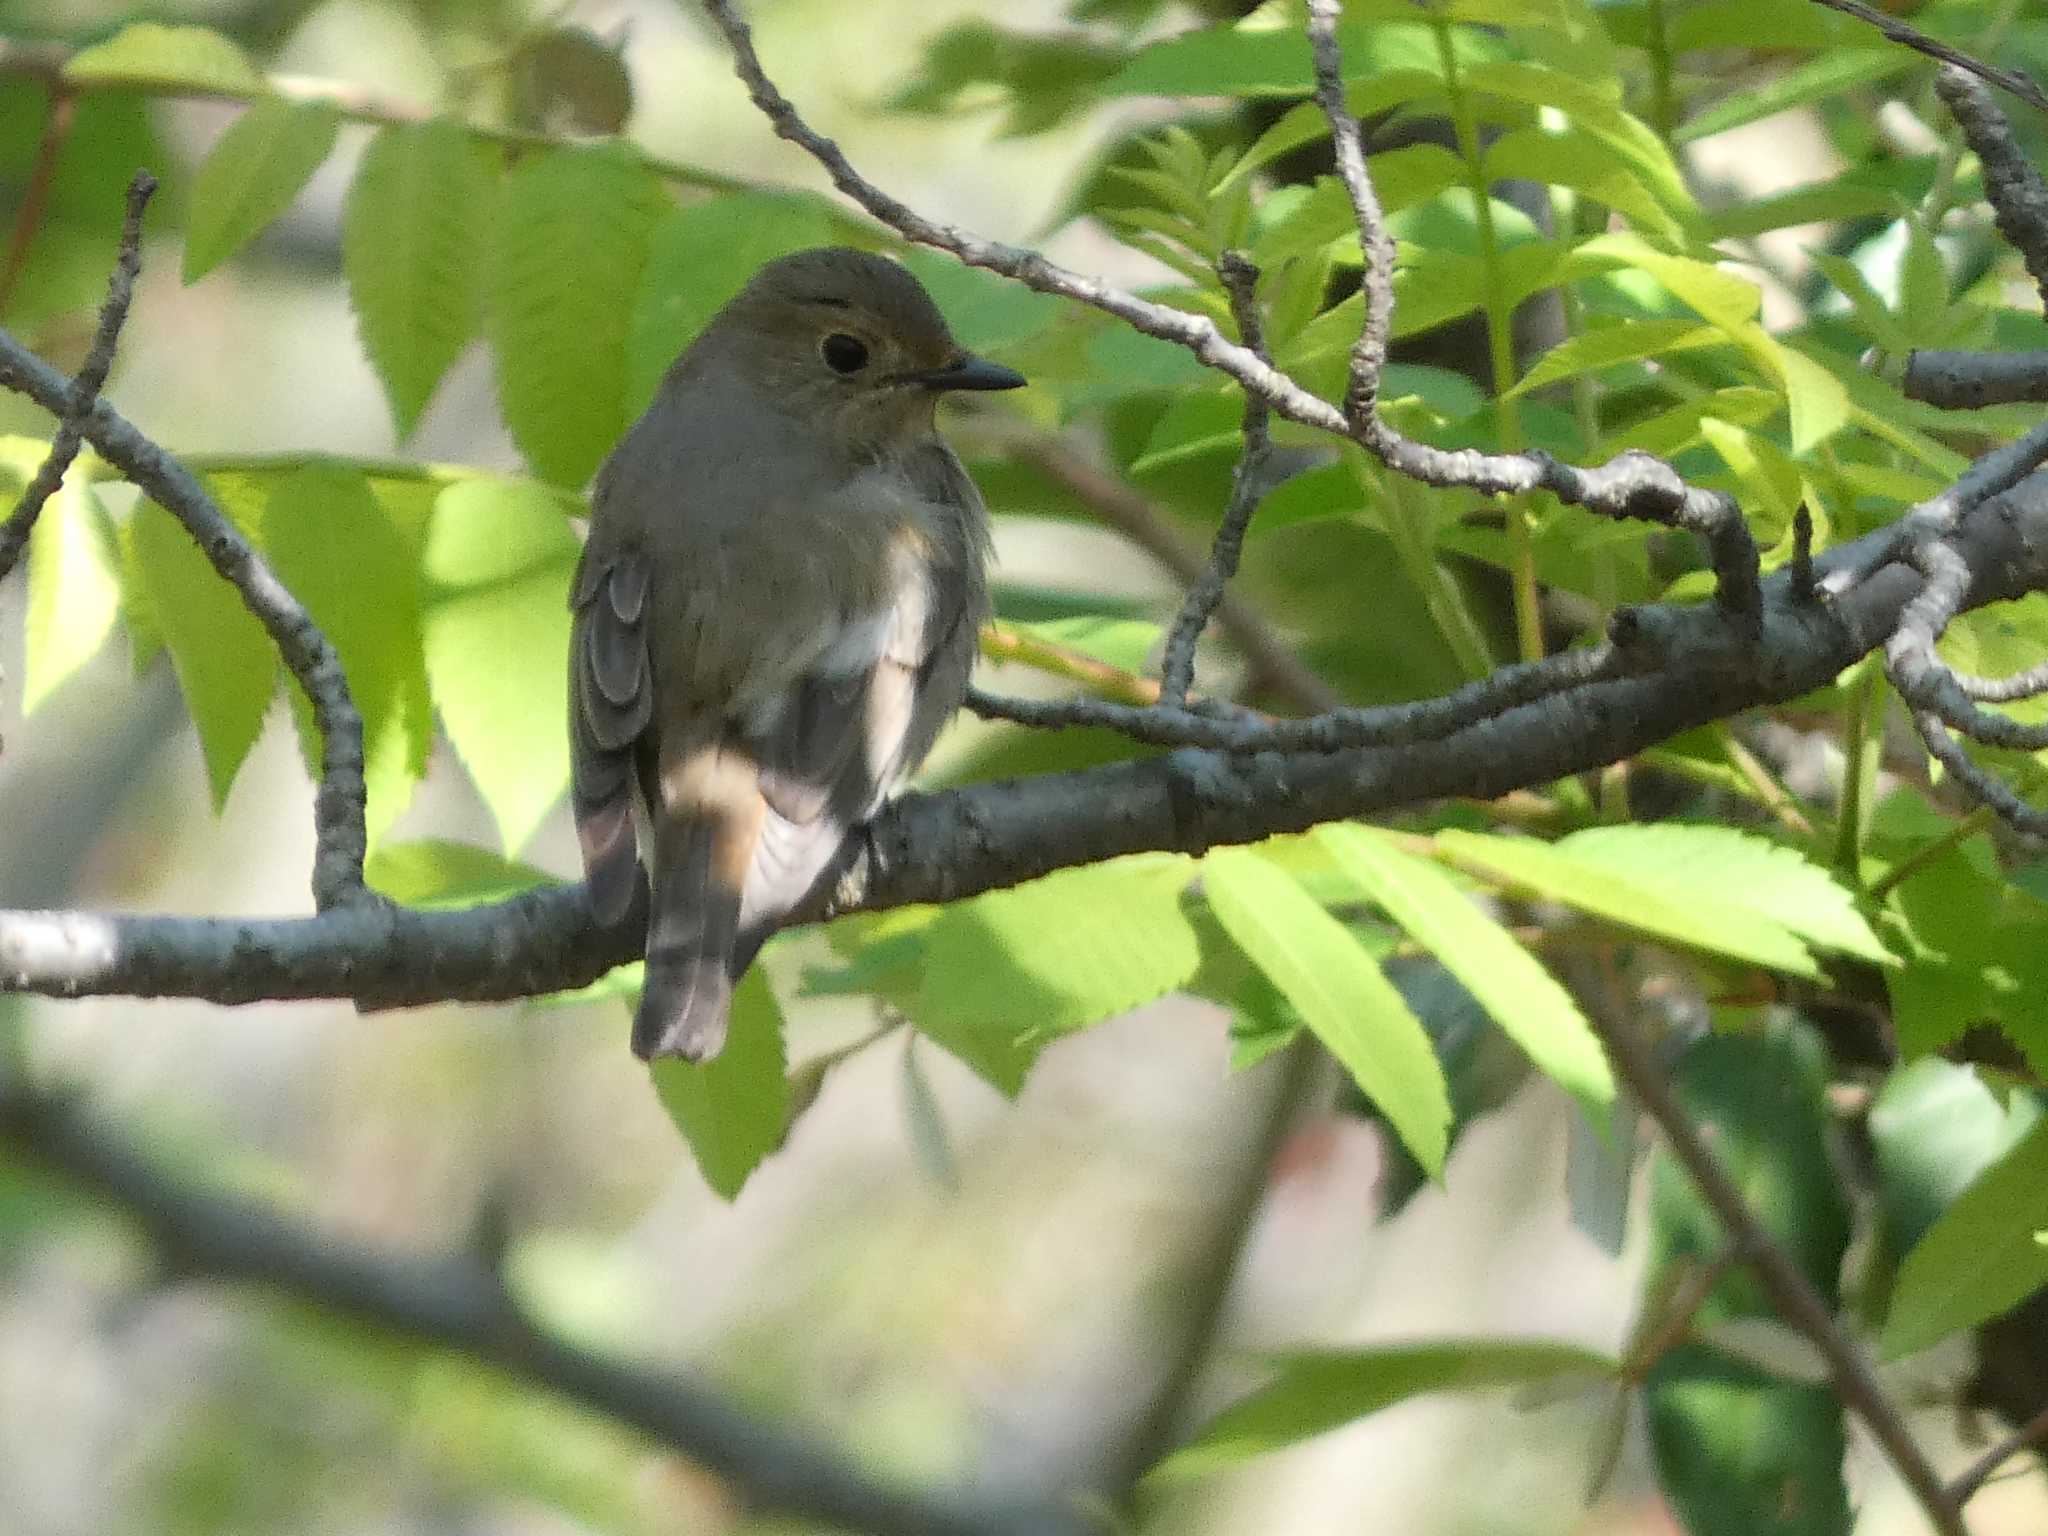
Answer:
(970, 372)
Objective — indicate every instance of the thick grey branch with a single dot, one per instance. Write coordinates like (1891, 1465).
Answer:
(1968, 381)
(1689, 665)
(2019, 200)
(460, 1303)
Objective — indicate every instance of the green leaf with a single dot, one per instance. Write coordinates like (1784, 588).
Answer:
(1987, 1253)
(1760, 1098)
(1727, 867)
(1320, 1390)
(1586, 165)
(334, 546)
(571, 246)
(698, 257)
(1740, 1453)
(1005, 971)
(1631, 341)
(414, 241)
(499, 559)
(1594, 110)
(1836, 200)
(1338, 990)
(1125, 643)
(1934, 1128)
(437, 874)
(1729, 301)
(225, 662)
(733, 1109)
(1523, 998)
(986, 313)
(190, 59)
(1835, 72)
(254, 173)
(1623, 896)
(74, 590)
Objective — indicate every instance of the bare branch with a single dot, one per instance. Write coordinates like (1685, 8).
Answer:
(1911, 37)
(91, 379)
(338, 805)
(1369, 352)
(1273, 664)
(1693, 667)
(35, 197)
(1248, 483)
(461, 1303)
(2029, 1436)
(1792, 1295)
(2018, 198)
(1968, 381)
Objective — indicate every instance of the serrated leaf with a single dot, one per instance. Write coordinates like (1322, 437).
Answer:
(1319, 1390)
(733, 1109)
(1986, 1253)
(571, 247)
(225, 662)
(191, 59)
(74, 591)
(499, 559)
(1338, 990)
(1522, 997)
(253, 174)
(1006, 971)
(332, 544)
(1726, 866)
(435, 873)
(698, 257)
(414, 238)
(1623, 897)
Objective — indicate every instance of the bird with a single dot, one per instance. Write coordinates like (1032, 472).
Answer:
(775, 611)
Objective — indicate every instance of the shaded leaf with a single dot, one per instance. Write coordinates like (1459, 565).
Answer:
(254, 173)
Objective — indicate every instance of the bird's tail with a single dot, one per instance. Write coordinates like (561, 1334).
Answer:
(694, 946)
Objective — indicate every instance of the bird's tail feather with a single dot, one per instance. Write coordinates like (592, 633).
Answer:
(693, 934)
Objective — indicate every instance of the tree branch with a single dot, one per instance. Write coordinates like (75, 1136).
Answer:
(1247, 488)
(1792, 1295)
(91, 379)
(461, 1303)
(1688, 666)
(338, 806)
(1899, 32)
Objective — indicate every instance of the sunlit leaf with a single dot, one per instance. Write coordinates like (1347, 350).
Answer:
(253, 174)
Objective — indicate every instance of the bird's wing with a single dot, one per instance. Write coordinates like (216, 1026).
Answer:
(611, 699)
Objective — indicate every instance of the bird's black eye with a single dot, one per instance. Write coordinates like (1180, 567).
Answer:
(843, 353)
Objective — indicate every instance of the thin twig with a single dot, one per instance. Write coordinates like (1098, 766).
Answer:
(1274, 664)
(1001, 642)
(1247, 489)
(2029, 1436)
(1911, 37)
(1911, 865)
(338, 801)
(1791, 1293)
(85, 388)
(35, 198)
(460, 1303)
(1217, 1267)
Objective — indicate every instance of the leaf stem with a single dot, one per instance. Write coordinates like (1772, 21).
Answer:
(1859, 768)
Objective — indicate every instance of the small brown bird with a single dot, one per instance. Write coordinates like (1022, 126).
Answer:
(775, 613)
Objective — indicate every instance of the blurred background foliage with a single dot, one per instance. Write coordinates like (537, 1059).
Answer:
(1019, 1187)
